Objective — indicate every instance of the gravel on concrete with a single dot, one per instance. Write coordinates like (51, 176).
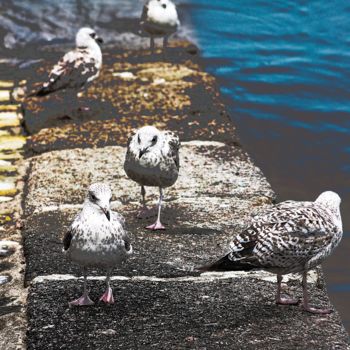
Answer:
(226, 314)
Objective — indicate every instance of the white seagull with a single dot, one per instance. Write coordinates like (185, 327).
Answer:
(152, 159)
(290, 237)
(97, 238)
(159, 19)
(77, 67)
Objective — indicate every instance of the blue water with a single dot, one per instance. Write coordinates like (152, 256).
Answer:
(284, 68)
(280, 59)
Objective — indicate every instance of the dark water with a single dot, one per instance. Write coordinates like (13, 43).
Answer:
(283, 66)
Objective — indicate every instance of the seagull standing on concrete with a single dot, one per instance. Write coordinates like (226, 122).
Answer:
(97, 238)
(159, 19)
(152, 159)
(291, 237)
(77, 67)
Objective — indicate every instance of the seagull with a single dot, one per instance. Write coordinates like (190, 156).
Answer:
(97, 238)
(77, 67)
(159, 19)
(152, 159)
(290, 237)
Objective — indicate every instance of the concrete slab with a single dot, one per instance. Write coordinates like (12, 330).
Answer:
(225, 314)
(5, 95)
(207, 169)
(208, 204)
(9, 119)
(6, 84)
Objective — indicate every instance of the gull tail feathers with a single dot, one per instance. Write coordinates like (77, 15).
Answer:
(41, 92)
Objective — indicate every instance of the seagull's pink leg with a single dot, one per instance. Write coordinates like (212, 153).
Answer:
(107, 296)
(280, 300)
(306, 305)
(84, 300)
(158, 225)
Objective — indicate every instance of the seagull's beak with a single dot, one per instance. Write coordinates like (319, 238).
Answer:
(99, 40)
(107, 212)
(142, 152)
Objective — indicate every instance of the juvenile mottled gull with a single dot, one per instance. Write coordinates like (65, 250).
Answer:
(159, 19)
(97, 238)
(288, 238)
(152, 159)
(77, 67)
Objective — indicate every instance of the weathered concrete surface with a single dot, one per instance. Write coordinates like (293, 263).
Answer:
(133, 90)
(207, 169)
(217, 191)
(227, 314)
(12, 293)
(199, 211)
(12, 265)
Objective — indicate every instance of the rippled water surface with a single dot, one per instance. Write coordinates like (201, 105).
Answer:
(283, 66)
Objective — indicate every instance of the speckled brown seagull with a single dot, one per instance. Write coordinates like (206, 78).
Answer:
(288, 238)
(97, 238)
(152, 159)
(77, 67)
(159, 19)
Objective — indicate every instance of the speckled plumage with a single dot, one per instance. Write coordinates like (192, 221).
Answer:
(152, 157)
(97, 236)
(77, 67)
(289, 237)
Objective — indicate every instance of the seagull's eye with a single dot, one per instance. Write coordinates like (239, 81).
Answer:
(93, 197)
(138, 139)
(154, 140)
(164, 6)
(93, 35)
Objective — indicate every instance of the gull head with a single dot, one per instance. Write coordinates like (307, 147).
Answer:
(331, 201)
(87, 37)
(146, 139)
(99, 196)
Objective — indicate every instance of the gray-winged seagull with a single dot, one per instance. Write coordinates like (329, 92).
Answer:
(97, 238)
(159, 19)
(152, 159)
